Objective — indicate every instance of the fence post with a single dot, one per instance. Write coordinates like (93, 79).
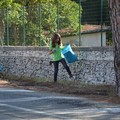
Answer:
(7, 26)
(101, 21)
(79, 22)
(40, 39)
(57, 15)
(24, 26)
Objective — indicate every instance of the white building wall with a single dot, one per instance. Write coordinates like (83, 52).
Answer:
(90, 40)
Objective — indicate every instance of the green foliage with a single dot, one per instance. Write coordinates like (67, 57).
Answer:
(15, 13)
(109, 41)
(31, 18)
(69, 16)
(5, 3)
(49, 16)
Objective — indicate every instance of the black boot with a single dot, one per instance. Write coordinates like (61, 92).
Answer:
(50, 63)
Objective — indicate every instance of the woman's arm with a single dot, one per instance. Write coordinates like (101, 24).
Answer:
(62, 47)
(51, 50)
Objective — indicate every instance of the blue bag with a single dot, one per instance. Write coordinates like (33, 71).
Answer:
(69, 54)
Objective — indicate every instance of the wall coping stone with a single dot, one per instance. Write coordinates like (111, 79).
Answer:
(45, 48)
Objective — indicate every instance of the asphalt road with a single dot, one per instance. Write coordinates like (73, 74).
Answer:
(18, 104)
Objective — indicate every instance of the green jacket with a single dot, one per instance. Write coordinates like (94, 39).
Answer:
(57, 54)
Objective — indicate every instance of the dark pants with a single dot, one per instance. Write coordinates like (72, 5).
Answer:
(56, 65)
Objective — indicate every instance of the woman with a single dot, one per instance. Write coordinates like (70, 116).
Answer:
(55, 50)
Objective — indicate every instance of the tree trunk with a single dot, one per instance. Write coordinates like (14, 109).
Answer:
(115, 23)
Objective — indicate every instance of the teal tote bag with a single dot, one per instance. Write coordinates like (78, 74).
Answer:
(69, 55)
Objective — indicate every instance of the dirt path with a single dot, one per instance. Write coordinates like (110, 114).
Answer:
(98, 93)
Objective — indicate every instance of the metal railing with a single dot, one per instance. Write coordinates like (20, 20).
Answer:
(33, 25)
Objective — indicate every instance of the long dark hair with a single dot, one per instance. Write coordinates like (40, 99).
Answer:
(54, 39)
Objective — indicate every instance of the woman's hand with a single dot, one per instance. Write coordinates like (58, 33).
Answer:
(50, 52)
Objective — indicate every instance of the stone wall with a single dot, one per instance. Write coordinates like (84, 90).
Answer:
(95, 65)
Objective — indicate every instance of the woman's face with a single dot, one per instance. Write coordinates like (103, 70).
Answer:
(56, 39)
